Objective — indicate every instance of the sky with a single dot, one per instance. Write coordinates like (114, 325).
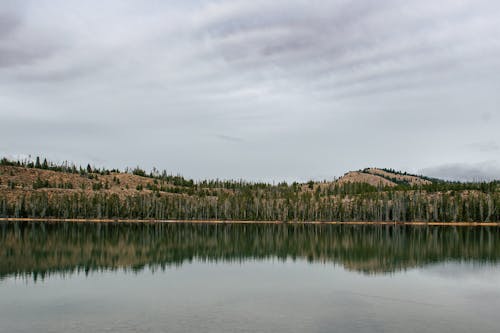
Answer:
(258, 90)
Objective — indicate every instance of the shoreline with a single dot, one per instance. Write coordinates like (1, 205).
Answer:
(417, 223)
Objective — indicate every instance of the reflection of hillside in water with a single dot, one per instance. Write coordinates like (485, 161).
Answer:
(38, 249)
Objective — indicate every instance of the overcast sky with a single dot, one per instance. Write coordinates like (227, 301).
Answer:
(260, 90)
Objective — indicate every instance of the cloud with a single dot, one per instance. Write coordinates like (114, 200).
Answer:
(484, 146)
(20, 45)
(310, 87)
(483, 171)
(344, 46)
(8, 24)
(229, 138)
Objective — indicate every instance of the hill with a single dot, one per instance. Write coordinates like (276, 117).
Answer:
(42, 189)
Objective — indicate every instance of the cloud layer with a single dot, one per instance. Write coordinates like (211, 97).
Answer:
(485, 171)
(253, 89)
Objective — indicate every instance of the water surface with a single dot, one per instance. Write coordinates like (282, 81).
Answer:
(57, 277)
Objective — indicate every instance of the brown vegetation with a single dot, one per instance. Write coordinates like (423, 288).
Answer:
(51, 191)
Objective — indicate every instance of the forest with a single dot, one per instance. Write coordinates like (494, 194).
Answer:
(43, 189)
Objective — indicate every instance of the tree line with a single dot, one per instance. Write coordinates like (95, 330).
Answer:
(261, 205)
(240, 200)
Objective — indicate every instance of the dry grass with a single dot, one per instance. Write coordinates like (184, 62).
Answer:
(122, 184)
(412, 180)
(360, 177)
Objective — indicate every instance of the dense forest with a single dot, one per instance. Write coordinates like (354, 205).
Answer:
(39, 249)
(42, 189)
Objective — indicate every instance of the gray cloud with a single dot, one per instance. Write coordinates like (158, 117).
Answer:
(21, 47)
(18, 56)
(311, 88)
(229, 138)
(484, 146)
(483, 171)
(8, 24)
(350, 46)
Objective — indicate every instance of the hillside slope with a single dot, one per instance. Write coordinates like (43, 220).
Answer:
(383, 177)
(122, 183)
(34, 190)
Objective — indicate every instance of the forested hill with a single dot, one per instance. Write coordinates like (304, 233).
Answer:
(43, 189)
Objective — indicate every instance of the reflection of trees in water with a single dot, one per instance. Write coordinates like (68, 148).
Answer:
(37, 249)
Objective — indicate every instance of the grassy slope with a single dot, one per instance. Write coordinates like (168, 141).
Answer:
(16, 180)
(362, 189)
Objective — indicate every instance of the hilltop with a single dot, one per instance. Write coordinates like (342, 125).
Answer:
(385, 177)
(43, 189)
(29, 176)
(55, 179)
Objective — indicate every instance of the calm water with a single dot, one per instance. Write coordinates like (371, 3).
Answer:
(248, 278)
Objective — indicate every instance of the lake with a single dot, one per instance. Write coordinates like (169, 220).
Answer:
(119, 277)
